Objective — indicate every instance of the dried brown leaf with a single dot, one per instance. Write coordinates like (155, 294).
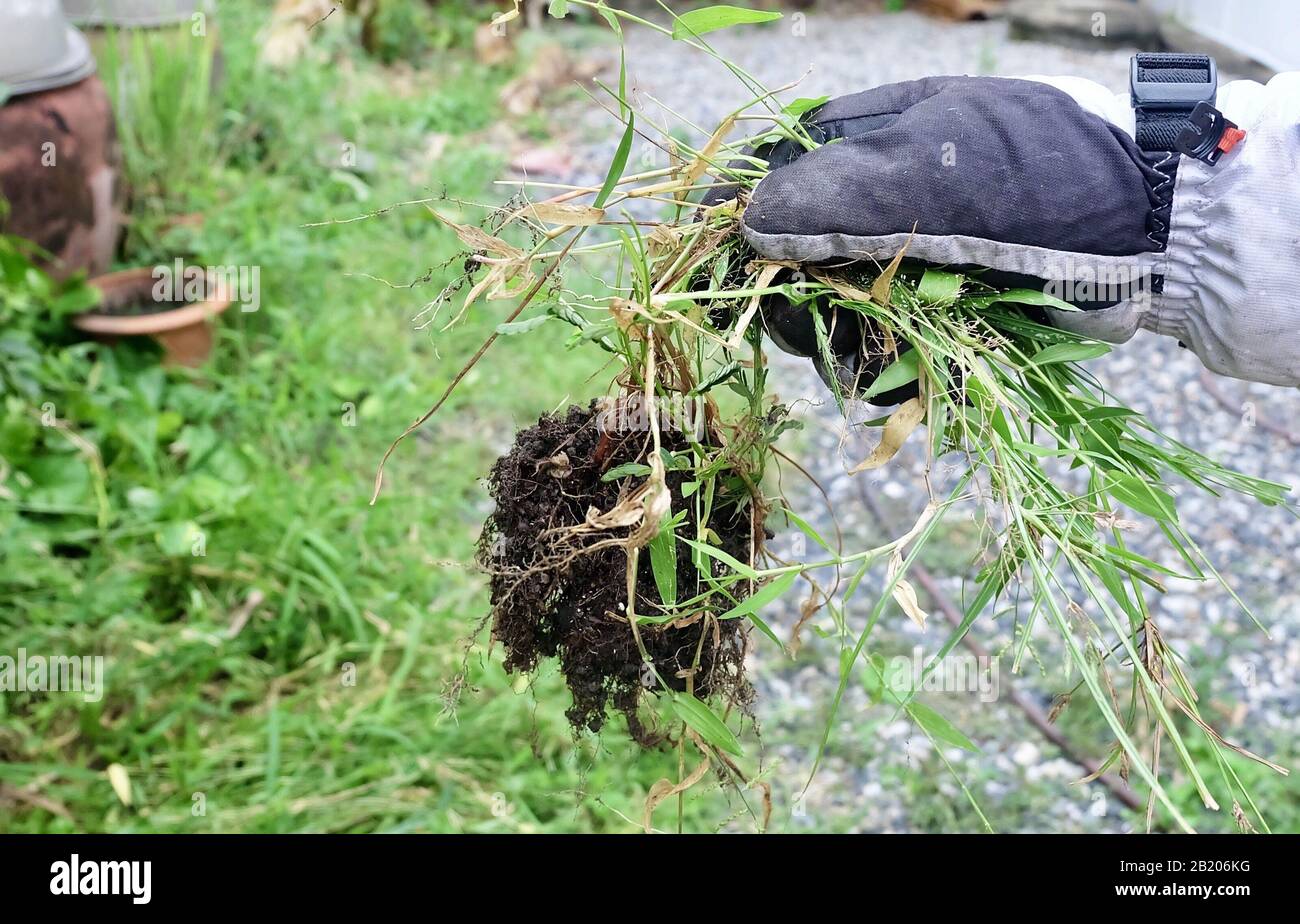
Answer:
(905, 597)
(666, 789)
(708, 152)
(564, 213)
(880, 288)
(765, 277)
(895, 432)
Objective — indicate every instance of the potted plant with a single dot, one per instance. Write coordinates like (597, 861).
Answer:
(149, 302)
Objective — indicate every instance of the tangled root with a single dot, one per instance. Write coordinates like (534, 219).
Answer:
(559, 590)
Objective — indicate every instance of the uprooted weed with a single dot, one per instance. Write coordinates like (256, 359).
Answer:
(682, 307)
(559, 587)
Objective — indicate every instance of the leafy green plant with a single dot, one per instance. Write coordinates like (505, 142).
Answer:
(161, 85)
(73, 410)
(402, 31)
(33, 309)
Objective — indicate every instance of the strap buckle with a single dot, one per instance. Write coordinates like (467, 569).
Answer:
(1209, 134)
(1173, 99)
(1177, 95)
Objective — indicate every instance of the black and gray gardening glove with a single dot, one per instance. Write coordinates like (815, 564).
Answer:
(1042, 179)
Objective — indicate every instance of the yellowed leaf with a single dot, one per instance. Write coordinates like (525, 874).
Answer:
(905, 597)
(564, 213)
(766, 789)
(896, 431)
(842, 286)
(880, 288)
(664, 239)
(626, 512)
(479, 240)
(765, 277)
(666, 789)
(624, 313)
(658, 502)
(120, 780)
(709, 152)
(904, 593)
(654, 189)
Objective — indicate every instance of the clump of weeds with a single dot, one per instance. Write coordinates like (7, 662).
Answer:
(627, 537)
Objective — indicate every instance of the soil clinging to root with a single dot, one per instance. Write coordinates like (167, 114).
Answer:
(561, 592)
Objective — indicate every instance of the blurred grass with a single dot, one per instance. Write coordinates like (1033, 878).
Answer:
(325, 712)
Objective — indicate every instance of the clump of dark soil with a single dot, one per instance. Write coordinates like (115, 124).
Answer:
(557, 594)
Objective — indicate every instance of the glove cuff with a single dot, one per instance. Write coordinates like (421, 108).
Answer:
(1231, 276)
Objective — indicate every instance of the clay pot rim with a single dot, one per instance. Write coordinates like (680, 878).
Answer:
(134, 325)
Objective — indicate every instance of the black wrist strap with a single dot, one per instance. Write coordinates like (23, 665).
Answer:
(1173, 98)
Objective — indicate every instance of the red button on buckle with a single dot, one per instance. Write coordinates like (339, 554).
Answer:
(1231, 136)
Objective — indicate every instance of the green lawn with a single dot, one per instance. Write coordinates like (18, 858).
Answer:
(326, 711)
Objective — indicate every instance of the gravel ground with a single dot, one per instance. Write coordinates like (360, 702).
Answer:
(880, 774)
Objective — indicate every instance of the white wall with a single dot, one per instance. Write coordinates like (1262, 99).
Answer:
(1267, 30)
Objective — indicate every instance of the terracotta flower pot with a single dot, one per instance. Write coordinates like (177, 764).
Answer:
(60, 164)
(60, 169)
(183, 331)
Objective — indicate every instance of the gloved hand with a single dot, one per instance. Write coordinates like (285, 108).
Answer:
(1041, 178)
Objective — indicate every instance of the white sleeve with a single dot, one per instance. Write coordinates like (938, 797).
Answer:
(1232, 271)
(1232, 266)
